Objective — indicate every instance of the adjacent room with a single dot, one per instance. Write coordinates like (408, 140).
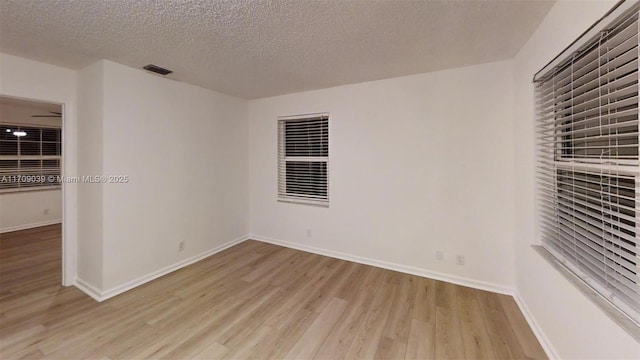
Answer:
(331, 179)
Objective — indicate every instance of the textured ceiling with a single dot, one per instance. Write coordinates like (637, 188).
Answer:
(252, 48)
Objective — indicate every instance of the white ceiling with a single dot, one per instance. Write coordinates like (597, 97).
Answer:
(254, 49)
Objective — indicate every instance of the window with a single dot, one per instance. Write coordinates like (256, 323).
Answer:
(303, 159)
(29, 157)
(587, 168)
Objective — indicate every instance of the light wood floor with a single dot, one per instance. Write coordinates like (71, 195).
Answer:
(254, 300)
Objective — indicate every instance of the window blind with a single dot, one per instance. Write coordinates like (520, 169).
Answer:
(587, 168)
(303, 159)
(31, 159)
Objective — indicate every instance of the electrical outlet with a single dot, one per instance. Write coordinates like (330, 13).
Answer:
(439, 255)
(460, 259)
(45, 212)
(181, 246)
(308, 232)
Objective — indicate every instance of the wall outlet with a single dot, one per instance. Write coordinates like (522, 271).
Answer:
(309, 233)
(181, 246)
(439, 255)
(460, 259)
(45, 212)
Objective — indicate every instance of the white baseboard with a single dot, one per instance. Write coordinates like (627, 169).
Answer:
(477, 284)
(537, 330)
(104, 295)
(30, 226)
(88, 289)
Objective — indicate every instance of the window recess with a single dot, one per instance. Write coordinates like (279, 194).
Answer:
(588, 173)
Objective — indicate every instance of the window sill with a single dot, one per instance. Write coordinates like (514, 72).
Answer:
(611, 311)
(318, 203)
(27, 190)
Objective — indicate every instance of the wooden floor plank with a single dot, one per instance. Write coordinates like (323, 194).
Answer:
(530, 346)
(475, 338)
(345, 331)
(251, 301)
(424, 308)
(311, 340)
(449, 344)
(503, 339)
(212, 352)
(367, 339)
(399, 320)
(389, 349)
(422, 340)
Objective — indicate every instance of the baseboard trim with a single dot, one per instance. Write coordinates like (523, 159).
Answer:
(477, 284)
(30, 226)
(104, 295)
(535, 327)
(88, 289)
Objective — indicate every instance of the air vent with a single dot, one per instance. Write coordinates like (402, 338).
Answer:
(157, 69)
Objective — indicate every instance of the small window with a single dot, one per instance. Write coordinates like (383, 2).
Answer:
(303, 159)
(29, 158)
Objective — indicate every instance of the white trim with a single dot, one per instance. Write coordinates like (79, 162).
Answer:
(88, 289)
(544, 341)
(305, 116)
(68, 167)
(620, 8)
(47, 126)
(477, 284)
(104, 295)
(30, 226)
(21, 190)
(301, 200)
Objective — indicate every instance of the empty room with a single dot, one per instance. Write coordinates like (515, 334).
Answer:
(319, 179)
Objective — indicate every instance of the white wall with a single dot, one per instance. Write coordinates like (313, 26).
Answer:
(184, 149)
(24, 210)
(31, 80)
(417, 164)
(14, 113)
(576, 328)
(90, 163)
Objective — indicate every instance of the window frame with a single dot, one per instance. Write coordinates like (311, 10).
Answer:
(299, 198)
(32, 171)
(559, 163)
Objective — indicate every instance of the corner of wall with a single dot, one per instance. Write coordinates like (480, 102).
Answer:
(89, 163)
(535, 327)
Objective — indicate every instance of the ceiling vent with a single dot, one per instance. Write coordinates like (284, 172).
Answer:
(157, 69)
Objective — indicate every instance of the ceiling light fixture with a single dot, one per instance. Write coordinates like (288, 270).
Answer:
(19, 133)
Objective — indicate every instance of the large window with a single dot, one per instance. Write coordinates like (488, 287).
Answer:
(303, 159)
(588, 169)
(29, 157)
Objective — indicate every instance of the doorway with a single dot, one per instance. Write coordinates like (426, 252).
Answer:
(31, 195)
